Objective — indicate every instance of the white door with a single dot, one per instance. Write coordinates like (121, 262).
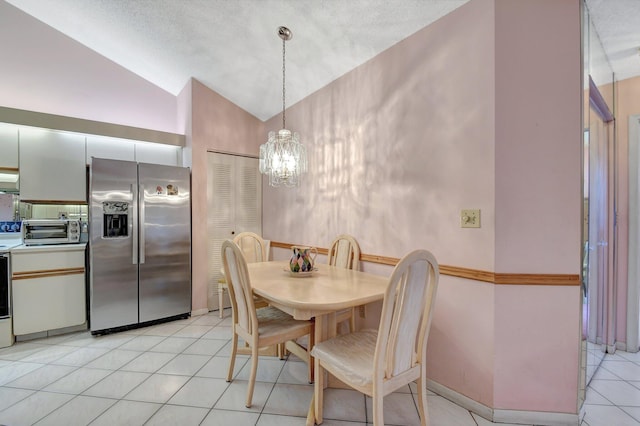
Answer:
(234, 205)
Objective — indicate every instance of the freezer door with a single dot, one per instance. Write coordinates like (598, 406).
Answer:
(165, 241)
(114, 269)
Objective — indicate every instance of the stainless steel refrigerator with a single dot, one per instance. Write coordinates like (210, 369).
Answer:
(140, 244)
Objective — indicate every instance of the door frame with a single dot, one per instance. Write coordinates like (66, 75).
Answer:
(633, 272)
(605, 298)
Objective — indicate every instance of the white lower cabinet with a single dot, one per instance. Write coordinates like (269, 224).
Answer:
(6, 332)
(48, 286)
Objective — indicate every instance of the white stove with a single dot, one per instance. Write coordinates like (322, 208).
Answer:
(9, 240)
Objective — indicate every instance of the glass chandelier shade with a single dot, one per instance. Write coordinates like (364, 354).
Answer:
(283, 158)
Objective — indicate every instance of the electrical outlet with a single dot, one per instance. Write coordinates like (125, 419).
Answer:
(470, 218)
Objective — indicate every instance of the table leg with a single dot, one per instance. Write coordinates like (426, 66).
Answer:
(325, 328)
(311, 419)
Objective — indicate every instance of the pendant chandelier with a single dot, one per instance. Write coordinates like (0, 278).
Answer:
(283, 158)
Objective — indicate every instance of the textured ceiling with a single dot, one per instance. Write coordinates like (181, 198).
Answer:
(232, 46)
(617, 23)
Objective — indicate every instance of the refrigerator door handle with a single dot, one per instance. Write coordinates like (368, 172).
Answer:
(133, 226)
(141, 223)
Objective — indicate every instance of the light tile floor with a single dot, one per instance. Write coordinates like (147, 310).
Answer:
(613, 395)
(174, 374)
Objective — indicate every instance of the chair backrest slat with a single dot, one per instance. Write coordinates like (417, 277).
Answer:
(406, 313)
(240, 291)
(253, 247)
(344, 252)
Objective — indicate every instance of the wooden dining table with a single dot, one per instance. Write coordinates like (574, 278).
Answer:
(317, 295)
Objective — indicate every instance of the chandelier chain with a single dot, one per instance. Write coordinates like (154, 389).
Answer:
(283, 83)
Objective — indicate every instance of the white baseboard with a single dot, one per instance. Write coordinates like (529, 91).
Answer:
(198, 312)
(461, 400)
(535, 418)
(621, 346)
(504, 416)
(51, 333)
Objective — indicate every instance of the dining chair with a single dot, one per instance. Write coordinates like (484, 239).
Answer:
(344, 252)
(258, 327)
(378, 362)
(254, 249)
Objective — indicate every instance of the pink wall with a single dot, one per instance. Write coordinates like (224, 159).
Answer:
(45, 71)
(217, 125)
(463, 114)
(461, 348)
(538, 112)
(536, 348)
(398, 146)
(538, 201)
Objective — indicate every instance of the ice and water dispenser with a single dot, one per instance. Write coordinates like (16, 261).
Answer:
(115, 219)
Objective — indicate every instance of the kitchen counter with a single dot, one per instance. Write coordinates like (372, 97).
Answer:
(48, 248)
(9, 240)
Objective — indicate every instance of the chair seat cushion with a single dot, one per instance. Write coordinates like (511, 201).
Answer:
(350, 355)
(273, 321)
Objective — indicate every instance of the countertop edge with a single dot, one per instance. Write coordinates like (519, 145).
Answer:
(46, 248)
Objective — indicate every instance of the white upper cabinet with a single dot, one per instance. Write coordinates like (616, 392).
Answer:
(8, 146)
(52, 166)
(155, 153)
(130, 150)
(110, 148)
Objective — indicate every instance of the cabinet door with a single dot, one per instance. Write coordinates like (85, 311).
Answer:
(234, 205)
(156, 153)
(48, 289)
(220, 215)
(110, 148)
(8, 147)
(52, 166)
(41, 304)
(247, 190)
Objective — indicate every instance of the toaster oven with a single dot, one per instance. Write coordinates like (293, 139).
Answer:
(50, 231)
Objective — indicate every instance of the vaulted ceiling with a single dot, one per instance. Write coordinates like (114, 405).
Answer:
(233, 46)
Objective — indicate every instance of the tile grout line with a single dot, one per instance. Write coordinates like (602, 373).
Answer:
(272, 388)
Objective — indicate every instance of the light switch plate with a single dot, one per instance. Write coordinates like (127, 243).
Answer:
(470, 218)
